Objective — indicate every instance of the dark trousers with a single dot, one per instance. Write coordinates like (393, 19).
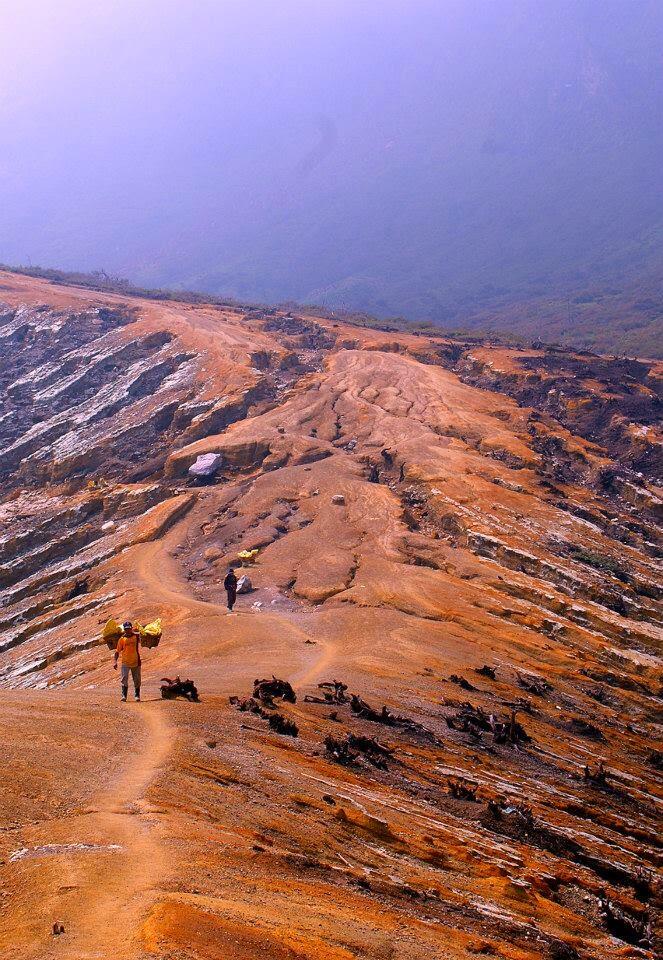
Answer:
(232, 596)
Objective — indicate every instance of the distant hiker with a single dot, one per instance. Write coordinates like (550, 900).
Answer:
(374, 475)
(128, 648)
(230, 584)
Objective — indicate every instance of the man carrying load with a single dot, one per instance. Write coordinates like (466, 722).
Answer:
(128, 648)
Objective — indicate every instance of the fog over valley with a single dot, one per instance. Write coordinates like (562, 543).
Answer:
(470, 163)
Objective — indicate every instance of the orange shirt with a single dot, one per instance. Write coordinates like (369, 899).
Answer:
(127, 646)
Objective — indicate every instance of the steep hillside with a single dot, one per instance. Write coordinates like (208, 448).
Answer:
(458, 573)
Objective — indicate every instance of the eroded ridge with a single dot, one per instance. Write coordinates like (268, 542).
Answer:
(458, 574)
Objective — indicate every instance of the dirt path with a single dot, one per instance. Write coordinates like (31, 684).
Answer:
(109, 911)
(160, 579)
(98, 871)
(109, 892)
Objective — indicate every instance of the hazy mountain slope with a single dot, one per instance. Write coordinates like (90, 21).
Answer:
(465, 533)
(447, 161)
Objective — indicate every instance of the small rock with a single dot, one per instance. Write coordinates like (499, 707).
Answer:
(508, 485)
(58, 928)
(338, 499)
(211, 744)
(244, 584)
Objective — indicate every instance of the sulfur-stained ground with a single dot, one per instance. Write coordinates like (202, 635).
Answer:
(422, 508)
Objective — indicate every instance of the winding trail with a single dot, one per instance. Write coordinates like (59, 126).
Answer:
(113, 901)
(101, 869)
(117, 887)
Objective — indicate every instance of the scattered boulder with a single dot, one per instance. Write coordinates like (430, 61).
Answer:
(171, 689)
(77, 590)
(585, 729)
(206, 466)
(475, 721)
(277, 722)
(244, 584)
(461, 682)
(629, 927)
(462, 789)
(486, 671)
(508, 485)
(280, 724)
(598, 777)
(559, 950)
(354, 748)
(333, 691)
(385, 716)
(536, 685)
(267, 690)
(338, 499)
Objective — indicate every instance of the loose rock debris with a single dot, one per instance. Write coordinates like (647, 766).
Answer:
(631, 928)
(355, 748)
(486, 671)
(461, 682)
(585, 729)
(385, 716)
(559, 950)
(339, 751)
(643, 883)
(598, 777)
(79, 588)
(462, 789)
(268, 690)
(475, 721)
(536, 685)
(277, 722)
(500, 807)
(333, 691)
(280, 724)
(171, 689)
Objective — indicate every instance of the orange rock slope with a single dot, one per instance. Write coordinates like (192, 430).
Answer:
(464, 537)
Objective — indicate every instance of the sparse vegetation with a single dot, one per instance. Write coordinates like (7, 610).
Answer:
(599, 561)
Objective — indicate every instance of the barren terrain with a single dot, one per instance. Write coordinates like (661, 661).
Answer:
(463, 533)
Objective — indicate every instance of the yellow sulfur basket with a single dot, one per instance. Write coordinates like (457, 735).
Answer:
(150, 634)
(248, 556)
(112, 633)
